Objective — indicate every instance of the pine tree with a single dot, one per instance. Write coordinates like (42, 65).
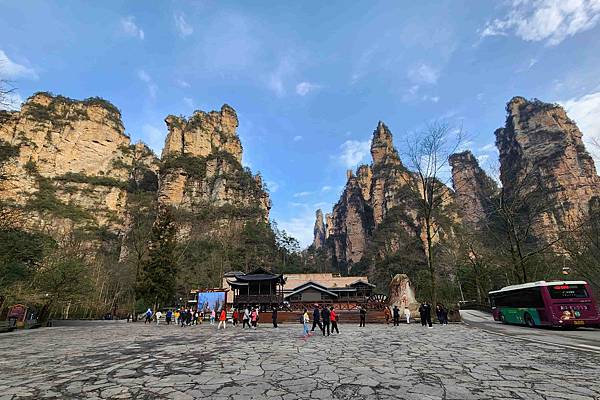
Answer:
(160, 269)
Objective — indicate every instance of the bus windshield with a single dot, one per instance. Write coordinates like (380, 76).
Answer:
(568, 292)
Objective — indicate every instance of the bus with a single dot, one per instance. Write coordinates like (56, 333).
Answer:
(556, 303)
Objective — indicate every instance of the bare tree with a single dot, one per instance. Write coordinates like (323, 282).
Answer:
(428, 154)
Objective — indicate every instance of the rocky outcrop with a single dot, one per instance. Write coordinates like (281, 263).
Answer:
(473, 189)
(541, 150)
(75, 163)
(201, 169)
(319, 231)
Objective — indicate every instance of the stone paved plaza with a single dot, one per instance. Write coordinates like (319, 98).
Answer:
(136, 361)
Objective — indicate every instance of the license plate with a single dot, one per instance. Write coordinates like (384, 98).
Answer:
(578, 322)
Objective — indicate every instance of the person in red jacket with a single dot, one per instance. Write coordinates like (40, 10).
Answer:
(222, 319)
(235, 317)
(334, 321)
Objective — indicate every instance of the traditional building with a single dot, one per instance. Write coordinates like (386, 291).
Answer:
(260, 287)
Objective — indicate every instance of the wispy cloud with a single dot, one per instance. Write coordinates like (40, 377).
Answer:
(154, 137)
(585, 111)
(147, 79)
(10, 69)
(353, 152)
(272, 186)
(423, 74)
(278, 77)
(326, 188)
(302, 194)
(297, 138)
(551, 21)
(489, 148)
(12, 102)
(189, 102)
(182, 26)
(182, 83)
(300, 225)
(130, 28)
(304, 88)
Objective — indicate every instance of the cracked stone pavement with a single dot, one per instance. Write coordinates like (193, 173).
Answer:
(120, 360)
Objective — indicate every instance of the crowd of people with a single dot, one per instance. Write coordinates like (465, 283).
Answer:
(323, 316)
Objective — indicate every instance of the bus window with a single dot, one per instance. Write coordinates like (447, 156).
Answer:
(568, 292)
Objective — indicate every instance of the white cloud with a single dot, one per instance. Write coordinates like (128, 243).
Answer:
(301, 225)
(182, 26)
(130, 28)
(12, 70)
(302, 194)
(482, 158)
(304, 88)
(297, 138)
(326, 188)
(489, 148)
(354, 152)
(423, 73)
(277, 79)
(551, 21)
(182, 83)
(154, 137)
(147, 79)
(585, 111)
(11, 102)
(189, 102)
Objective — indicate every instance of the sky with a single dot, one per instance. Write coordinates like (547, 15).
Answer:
(310, 79)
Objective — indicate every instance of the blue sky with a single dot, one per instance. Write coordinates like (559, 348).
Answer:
(311, 79)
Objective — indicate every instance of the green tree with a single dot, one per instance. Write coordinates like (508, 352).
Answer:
(160, 269)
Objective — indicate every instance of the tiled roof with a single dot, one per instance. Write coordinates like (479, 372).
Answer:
(326, 279)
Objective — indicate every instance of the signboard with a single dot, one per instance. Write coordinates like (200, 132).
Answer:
(208, 301)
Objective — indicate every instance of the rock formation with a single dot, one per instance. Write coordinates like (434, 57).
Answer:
(541, 150)
(402, 294)
(319, 231)
(473, 189)
(74, 165)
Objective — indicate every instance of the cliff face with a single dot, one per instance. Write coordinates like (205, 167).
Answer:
(319, 231)
(201, 169)
(75, 163)
(541, 149)
(377, 210)
(473, 189)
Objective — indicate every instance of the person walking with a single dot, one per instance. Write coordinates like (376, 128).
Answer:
(439, 313)
(363, 315)
(222, 319)
(182, 317)
(425, 314)
(148, 317)
(305, 323)
(213, 315)
(396, 314)
(407, 314)
(168, 317)
(326, 316)
(316, 319)
(189, 316)
(274, 316)
(387, 313)
(254, 318)
(334, 320)
(158, 317)
(236, 315)
(246, 318)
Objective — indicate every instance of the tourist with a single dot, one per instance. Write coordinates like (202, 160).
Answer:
(334, 320)
(254, 318)
(387, 315)
(326, 319)
(396, 316)
(407, 314)
(443, 314)
(246, 320)
(305, 322)
(168, 317)
(177, 316)
(222, 319)
(235, 316)
(196, 317)
(363, 315)
(158, 317)
(213, 315)
(182, 317)
(316, 319)
(148, 317)
(189, 315)
(274, 316)
(425, 314)
(439, 313)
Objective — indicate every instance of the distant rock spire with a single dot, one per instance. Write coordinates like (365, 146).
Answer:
(319, 231)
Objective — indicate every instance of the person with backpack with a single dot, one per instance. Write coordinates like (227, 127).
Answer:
(148, 319)
(316, 319)
(246, 318)
(334, 320)
(396, 314)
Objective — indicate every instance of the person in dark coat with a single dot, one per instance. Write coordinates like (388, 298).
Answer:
(274, 316)
(325, 314)
(363, 315)
(396, 315)
(316, 319)
(425, 314)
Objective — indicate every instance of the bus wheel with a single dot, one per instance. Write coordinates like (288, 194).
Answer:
(529, 321)
(501, 317)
